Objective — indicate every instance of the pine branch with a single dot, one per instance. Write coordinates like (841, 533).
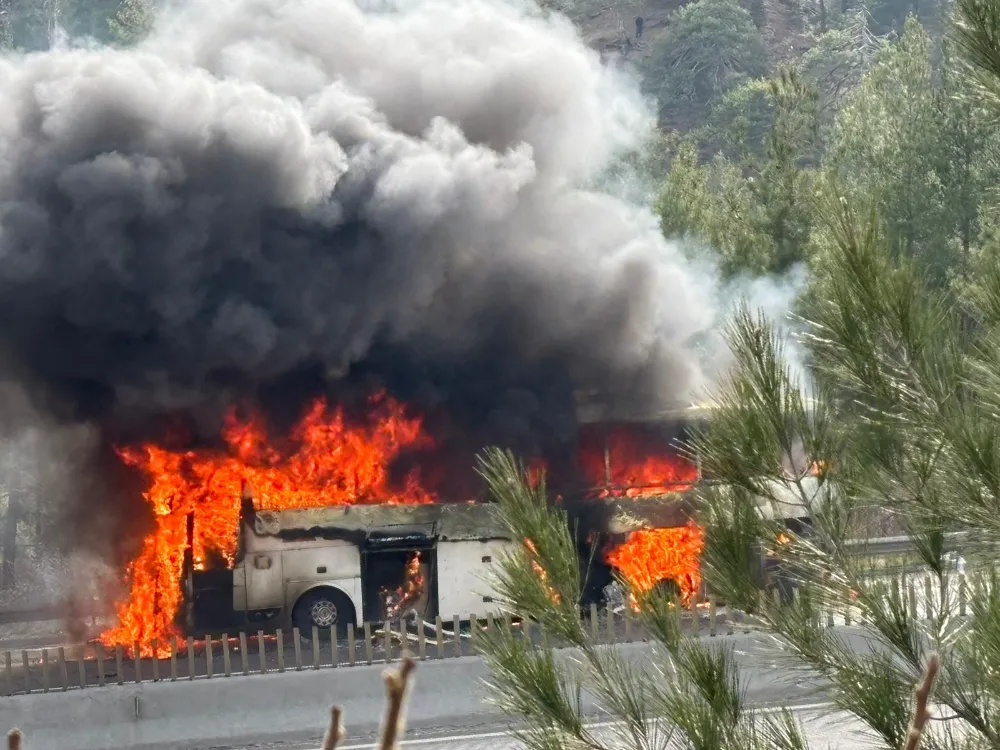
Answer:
(396, 684)
(335, 732)
(14, 738)
(921, 714)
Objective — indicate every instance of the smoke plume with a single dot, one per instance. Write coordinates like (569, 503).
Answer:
(273, 198)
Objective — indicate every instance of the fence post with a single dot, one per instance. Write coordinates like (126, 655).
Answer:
(281, 649)
(315, 640)
(262, 651)
(526, 632)
(209, 657)
(421, 641)
(962, 594)
(244, 656)
(27, 671)
(118, 665)
(473, 627)
(45, 670)
(928, 598)
(458, 635)
(612, 634)
(137, 660)
(368, 642)
(297, 648)
(9, 671)
(81, 666)
(156, 660)
(63, 669)
(100, 663)
(713, 615)
(387, 640)
(350, 644)
(439, 636)
(173, 658)
(190, 645)
(227, 664)
(594, 623)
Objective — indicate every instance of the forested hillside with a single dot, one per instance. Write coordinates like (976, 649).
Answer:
(763, 105)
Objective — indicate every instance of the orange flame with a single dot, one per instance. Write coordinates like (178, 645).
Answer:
(649, 556)
(637, 466)
(409, 592)
(542, 574)
(327, 462)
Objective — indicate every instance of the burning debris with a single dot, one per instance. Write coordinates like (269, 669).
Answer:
(396, 602)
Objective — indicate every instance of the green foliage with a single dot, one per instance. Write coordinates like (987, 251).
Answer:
(754, 212)
(687, 692)
(709, 47)
(132, 22)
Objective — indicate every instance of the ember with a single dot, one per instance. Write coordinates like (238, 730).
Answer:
(327, 462)
(650, 556)
(397, 601)
(540, 571)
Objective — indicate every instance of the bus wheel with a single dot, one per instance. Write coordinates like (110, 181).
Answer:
(322, 608)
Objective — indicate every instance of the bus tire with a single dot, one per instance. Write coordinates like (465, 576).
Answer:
(323, 607)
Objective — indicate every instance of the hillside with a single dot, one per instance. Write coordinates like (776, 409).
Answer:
(610, 27)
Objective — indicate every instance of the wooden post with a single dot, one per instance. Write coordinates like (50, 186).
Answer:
(334, 647)
(209, 657)
(281, 650)
(713, 615)
(439, 635)
(928, 598)
(63, 669)
(350, 644)
(81, 666)
(173, 658)
(137, 661)
(262, 651)
(227, 665)
(9, 673)
(627, 614)
(387, 640)
(315, 642)
(156, 660)
(27, 671)
(45, 670)
(963, 595)
(594, 624)
(421, 642)
(244, 655)
(368, 642)
(190, 645)
(297, 647)
(458, 635)
(189, 575)
(118, 665)
(526, 632)
(473, 627)
(100, 663)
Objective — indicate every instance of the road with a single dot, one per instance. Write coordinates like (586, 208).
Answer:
(824, 728)
(461, 718)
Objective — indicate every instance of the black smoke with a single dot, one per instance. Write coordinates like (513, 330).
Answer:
(274, 199)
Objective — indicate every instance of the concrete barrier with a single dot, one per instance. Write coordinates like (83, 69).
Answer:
(211, 712)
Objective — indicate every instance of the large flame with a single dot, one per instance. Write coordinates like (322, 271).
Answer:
(637, 465)
(327, 461)
(649, 556)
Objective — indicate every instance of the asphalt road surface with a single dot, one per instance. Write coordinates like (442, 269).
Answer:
(772, 681)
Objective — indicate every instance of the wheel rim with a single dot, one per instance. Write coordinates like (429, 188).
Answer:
(323, 613)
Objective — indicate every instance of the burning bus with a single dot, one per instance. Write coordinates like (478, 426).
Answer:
(318, 531)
